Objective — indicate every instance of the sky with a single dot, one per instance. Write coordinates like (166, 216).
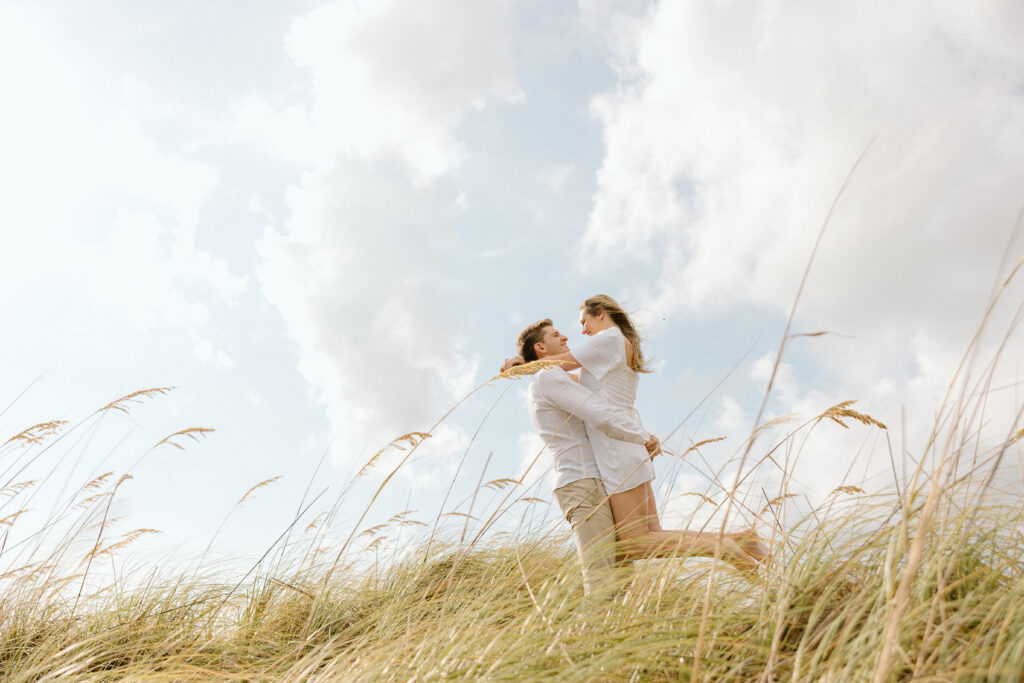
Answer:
(325, 223)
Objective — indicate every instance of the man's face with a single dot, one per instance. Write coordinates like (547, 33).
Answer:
(553, 342)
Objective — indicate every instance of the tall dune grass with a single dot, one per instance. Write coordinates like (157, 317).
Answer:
(922, 579)
(922, 582)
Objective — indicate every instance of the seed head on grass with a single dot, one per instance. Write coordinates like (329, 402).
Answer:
(841, 410)
(401, 519)
(317, 521)
(123, 541)
(96, 482)
(775, 501)
(265, 482)
(36, 434)
(699, 495)
(412, 439)
(193, 433)
(122, 404)
(10, 519)
(373, 530)
(697, 445)
(531, 368)
(398, 517)
(15, 489)
(848, 490)
(86, 502)
(374, 544)
(402, 443)
(412, 522)
(36, 570)
(108, 522)
(460, 514)
(498, 484)
(771, 424)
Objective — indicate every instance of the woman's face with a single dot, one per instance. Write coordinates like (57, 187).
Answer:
(592, 324)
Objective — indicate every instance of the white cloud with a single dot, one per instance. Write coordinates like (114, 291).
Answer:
(142, 271)
(785, 389)
(356, 271)
(63, 149)
(731, 130)
(205, 351)
(436, 460)
(91, 197)
(555, 177)
(355, 278)
(150, 276)
(389, 77)
(732, 418)
(287, 133)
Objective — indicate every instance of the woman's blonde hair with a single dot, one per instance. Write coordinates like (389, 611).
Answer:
(599, 303)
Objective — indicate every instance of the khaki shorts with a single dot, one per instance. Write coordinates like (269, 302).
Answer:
(585, 506)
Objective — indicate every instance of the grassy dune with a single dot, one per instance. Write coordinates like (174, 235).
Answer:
(822, 610)
(923, 583)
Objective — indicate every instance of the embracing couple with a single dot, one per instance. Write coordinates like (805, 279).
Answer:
(602, 453)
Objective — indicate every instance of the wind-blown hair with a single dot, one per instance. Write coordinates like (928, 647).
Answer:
(599, 303)
(530, 335)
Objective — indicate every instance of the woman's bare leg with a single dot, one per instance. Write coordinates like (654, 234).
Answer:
(747, 539)
(638, 540)
(750, 542)
(653, 523)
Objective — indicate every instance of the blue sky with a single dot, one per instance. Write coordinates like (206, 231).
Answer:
(325, 223)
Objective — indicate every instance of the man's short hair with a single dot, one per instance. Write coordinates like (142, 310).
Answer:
(530, 335)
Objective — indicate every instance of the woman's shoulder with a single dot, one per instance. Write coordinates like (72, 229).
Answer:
(601, 352)
(615, 340)
(607, 342)
(610, 338)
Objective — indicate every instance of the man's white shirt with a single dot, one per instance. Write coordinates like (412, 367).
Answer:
(559, 407)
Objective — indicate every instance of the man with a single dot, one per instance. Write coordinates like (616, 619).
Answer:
(558, 408)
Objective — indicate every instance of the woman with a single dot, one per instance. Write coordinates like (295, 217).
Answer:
(611, 362)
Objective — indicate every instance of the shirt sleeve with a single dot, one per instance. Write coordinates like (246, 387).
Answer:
(576, 400)
(601, 353)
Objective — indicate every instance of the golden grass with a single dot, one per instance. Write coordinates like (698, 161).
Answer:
(529, 369)
(256, 487)
(698, 445)
(515, 610)
(123, 404)
(917, 580)
(193, 433)
(946, 600)
(36, 434)
(841, 410)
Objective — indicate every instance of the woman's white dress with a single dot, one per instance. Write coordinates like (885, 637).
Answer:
(623, 465)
